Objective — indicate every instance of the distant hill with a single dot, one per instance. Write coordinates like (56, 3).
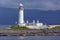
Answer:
(8, 16)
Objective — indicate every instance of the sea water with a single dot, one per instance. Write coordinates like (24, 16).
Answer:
(29, 37)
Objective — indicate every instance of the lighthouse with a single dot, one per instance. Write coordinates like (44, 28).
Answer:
(22, 23)
(21, 15)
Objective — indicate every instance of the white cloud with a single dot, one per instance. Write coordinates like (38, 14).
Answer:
(32, 4)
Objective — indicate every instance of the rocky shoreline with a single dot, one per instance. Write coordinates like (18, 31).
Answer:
(29, 32)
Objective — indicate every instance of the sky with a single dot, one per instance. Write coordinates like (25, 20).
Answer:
(32, 4)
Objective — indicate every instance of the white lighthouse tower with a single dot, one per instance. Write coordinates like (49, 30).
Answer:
(21, 15)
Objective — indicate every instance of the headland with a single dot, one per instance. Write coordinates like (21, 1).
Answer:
(23, 31)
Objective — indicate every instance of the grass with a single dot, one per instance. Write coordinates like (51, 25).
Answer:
(24, 28)
(55, 28)
(19, 28)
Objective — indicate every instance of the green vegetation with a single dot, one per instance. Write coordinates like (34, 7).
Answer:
(55, 28)
(19, 28)
(24, 28)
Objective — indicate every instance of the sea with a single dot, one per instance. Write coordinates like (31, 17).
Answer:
(10, 16)
(29, 37)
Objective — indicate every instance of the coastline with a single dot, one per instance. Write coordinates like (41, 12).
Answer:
(29, 32)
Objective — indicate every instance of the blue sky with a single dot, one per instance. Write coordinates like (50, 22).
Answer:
(32, 4)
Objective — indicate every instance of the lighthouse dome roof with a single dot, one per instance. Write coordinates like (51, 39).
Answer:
(21, 4)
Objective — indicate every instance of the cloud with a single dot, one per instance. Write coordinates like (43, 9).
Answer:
(8, 3)
(32, 4)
